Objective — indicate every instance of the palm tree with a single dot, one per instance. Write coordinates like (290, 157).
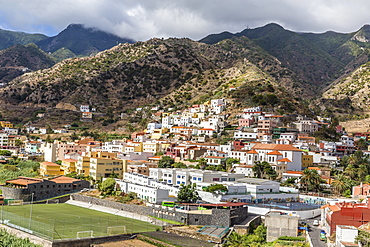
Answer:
(311, 180)
(362, 171)
(340, 184)
(351, 171)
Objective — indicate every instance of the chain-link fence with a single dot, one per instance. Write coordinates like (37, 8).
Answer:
(75, 227)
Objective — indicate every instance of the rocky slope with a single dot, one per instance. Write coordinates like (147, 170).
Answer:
(168, 73)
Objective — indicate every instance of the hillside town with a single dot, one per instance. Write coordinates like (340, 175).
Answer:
(274, 166)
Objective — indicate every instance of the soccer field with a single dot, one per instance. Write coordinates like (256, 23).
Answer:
(61, 221)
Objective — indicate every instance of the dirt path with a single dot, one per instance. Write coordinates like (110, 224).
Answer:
(127, 243)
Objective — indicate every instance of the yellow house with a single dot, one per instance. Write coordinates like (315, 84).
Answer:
(83, 162)
(83, 165)
(68, 166)
(50, 169)
(150, 147)
(104, 167)
(307, 161)
(134, 147)
(157, 133)
(6, 124)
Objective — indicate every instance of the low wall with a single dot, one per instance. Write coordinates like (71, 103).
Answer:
(219, 217)
(192, 234)
(244, 229)
(307, 214)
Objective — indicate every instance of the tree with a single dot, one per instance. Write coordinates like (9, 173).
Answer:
(48, 139)
(215, 188)
(264, 170)
(230, 162)
(74, 136)
(166, 162)
(311, 180)
(179, 165)
(361, 144)
(108, 186)
(188, 193)
(5, 153)
(362, 171)
(350, 171)
(202, 163)
(340, 184)
(18, 143)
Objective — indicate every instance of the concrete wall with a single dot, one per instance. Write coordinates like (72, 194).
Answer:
(280, 225)
(219, 217)
(244, 229)
(308, 214)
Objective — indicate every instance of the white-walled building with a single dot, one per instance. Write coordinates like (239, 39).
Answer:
(345, 235)
(150, 194)
(4, 140)
(275, 153)
(152, 126)
(245, 135)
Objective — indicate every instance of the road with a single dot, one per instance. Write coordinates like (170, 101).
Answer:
(314, 232)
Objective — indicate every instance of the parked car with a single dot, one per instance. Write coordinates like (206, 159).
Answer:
(323, 235)
(315, 223)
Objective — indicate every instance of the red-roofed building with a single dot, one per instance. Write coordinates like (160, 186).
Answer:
(22, 188)
(345, 213)
(274, 153)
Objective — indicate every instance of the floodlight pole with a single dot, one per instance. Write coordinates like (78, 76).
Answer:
(29, 224)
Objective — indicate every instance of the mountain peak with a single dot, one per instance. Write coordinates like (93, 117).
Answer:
(362, 35)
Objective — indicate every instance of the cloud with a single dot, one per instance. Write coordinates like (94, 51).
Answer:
(144, 19)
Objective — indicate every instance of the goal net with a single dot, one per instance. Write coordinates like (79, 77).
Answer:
(15, 202)
(85, 234)
(52, 201)
(116, 230)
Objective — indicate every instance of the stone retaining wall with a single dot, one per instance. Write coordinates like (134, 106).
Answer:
(194, 234)
(219, 217)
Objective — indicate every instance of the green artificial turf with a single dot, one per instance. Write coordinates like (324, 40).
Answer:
(61, 221)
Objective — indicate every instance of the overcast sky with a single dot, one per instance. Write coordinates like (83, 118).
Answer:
(195, 19)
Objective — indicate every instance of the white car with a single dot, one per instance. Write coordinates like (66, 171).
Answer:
(315, 223)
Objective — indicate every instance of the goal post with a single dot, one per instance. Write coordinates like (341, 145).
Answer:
(85, 234)
(52, 201)
(116, 230)
(15, 202)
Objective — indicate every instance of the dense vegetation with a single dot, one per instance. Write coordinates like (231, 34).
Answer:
(15, 168)
(10, 240)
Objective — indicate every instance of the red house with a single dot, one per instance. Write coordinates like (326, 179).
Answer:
(346, 213)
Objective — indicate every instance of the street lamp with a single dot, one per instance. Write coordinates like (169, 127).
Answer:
(29, 224)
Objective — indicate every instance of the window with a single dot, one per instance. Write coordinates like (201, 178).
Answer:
(216, 179)
(199, 179)
(231, 179)
(194, 178)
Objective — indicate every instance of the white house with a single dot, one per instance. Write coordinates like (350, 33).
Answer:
(84, 108)
(245, 135)
(206, 132)
(345, 236)
(152, 126)
(275, 153)
(244, 169)
(150, 194)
